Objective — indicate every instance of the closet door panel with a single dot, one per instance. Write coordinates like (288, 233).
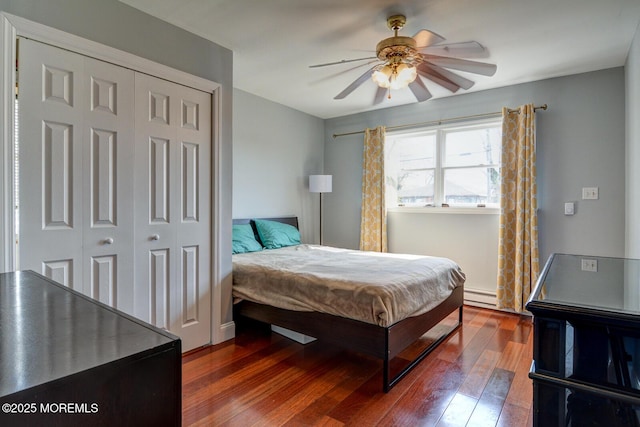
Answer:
(76, 172)
(108, 126)
(50, 162)
(194, 227)
(155, 138)
(115, 187)
(173, 156)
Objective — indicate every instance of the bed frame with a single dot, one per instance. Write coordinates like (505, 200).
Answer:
(380, 342)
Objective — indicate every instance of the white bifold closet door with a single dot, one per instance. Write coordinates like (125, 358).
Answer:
(76, 172)
(114, 187)
(172, 186)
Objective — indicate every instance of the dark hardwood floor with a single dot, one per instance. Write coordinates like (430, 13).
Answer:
(478, 377)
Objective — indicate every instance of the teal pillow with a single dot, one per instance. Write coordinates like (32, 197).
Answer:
(244, 240)
(275, 234)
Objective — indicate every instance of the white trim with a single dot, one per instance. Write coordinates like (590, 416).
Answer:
(7, 113)
(13, 27)
(462, 123)
(440, 210)
(226, 332)
(480, 304)
(439, 133)
(219, 332)
(64, 40)
(479, 296)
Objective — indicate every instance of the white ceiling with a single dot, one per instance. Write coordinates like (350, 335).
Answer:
(274, 41)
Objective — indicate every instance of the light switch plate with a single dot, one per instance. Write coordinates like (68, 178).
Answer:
(590, 193)
(589, 265)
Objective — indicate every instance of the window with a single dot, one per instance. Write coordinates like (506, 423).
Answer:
(455, 165)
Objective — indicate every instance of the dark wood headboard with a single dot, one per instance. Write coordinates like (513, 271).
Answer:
(291, 220)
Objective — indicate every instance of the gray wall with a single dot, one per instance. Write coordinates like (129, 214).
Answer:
(581, 143)
(632, 74)
(275, 149)
(120, 26)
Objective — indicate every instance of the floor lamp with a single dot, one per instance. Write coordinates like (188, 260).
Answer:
(320, 184)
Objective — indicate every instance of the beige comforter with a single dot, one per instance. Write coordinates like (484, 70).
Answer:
(378, 288)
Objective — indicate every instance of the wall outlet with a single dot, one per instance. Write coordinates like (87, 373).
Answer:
(590, 265)
(569, 208)
(590, 193)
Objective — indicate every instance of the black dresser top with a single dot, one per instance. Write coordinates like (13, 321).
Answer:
(595, 286)
(48, 331)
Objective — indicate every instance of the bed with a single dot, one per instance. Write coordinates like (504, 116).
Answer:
(274, 286)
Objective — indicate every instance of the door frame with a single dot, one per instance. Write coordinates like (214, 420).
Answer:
(12, 27)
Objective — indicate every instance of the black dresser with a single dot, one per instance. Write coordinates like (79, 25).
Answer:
(586, 355)
(68, 360)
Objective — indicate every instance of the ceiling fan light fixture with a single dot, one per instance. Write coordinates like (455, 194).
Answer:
(382, 76)
(402, 58)
(399, 55)
(404, 74)
(395, 76)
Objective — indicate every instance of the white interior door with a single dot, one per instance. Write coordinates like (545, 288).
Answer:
(50, 116)
(107, 175)
(173, 219)
(115, 187)
(76, 169)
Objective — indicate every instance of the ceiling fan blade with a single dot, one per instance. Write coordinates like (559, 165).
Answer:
(426, 38)
(381, 93)
(344, 61)
(341, 72)
(357, 82)
(458, 50)
(419, 90)
(462, 64)
(452, 77)
(436, 77)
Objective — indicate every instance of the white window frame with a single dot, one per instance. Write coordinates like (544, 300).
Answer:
(440, 132)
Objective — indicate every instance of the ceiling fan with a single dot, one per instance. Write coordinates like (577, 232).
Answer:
(400, 60)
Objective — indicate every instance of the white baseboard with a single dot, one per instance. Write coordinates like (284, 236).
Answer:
(227, 331)
(479, 297)
(485, 299)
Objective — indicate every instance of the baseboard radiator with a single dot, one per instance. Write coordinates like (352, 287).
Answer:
(479, 297)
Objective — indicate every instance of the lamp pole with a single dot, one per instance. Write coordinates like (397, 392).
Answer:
(320, 184)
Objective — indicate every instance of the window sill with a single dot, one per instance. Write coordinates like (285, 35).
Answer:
(449, 210)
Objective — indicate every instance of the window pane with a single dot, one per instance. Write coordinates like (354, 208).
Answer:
(472, 186)
(472, 147)
(409, 169)
(411, 153)
(415, 187)
(458, 165)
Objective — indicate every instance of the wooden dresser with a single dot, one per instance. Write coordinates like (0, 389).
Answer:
(68, 360)
(586, 350)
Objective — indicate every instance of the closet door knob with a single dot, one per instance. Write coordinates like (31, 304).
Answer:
(108, 241)
(155, 237)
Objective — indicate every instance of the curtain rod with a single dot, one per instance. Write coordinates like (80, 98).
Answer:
(439, 122)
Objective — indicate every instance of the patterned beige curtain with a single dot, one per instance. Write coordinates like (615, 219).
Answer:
(518, 263)
(373, 223)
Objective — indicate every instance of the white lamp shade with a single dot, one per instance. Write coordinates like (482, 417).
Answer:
(320, 183)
